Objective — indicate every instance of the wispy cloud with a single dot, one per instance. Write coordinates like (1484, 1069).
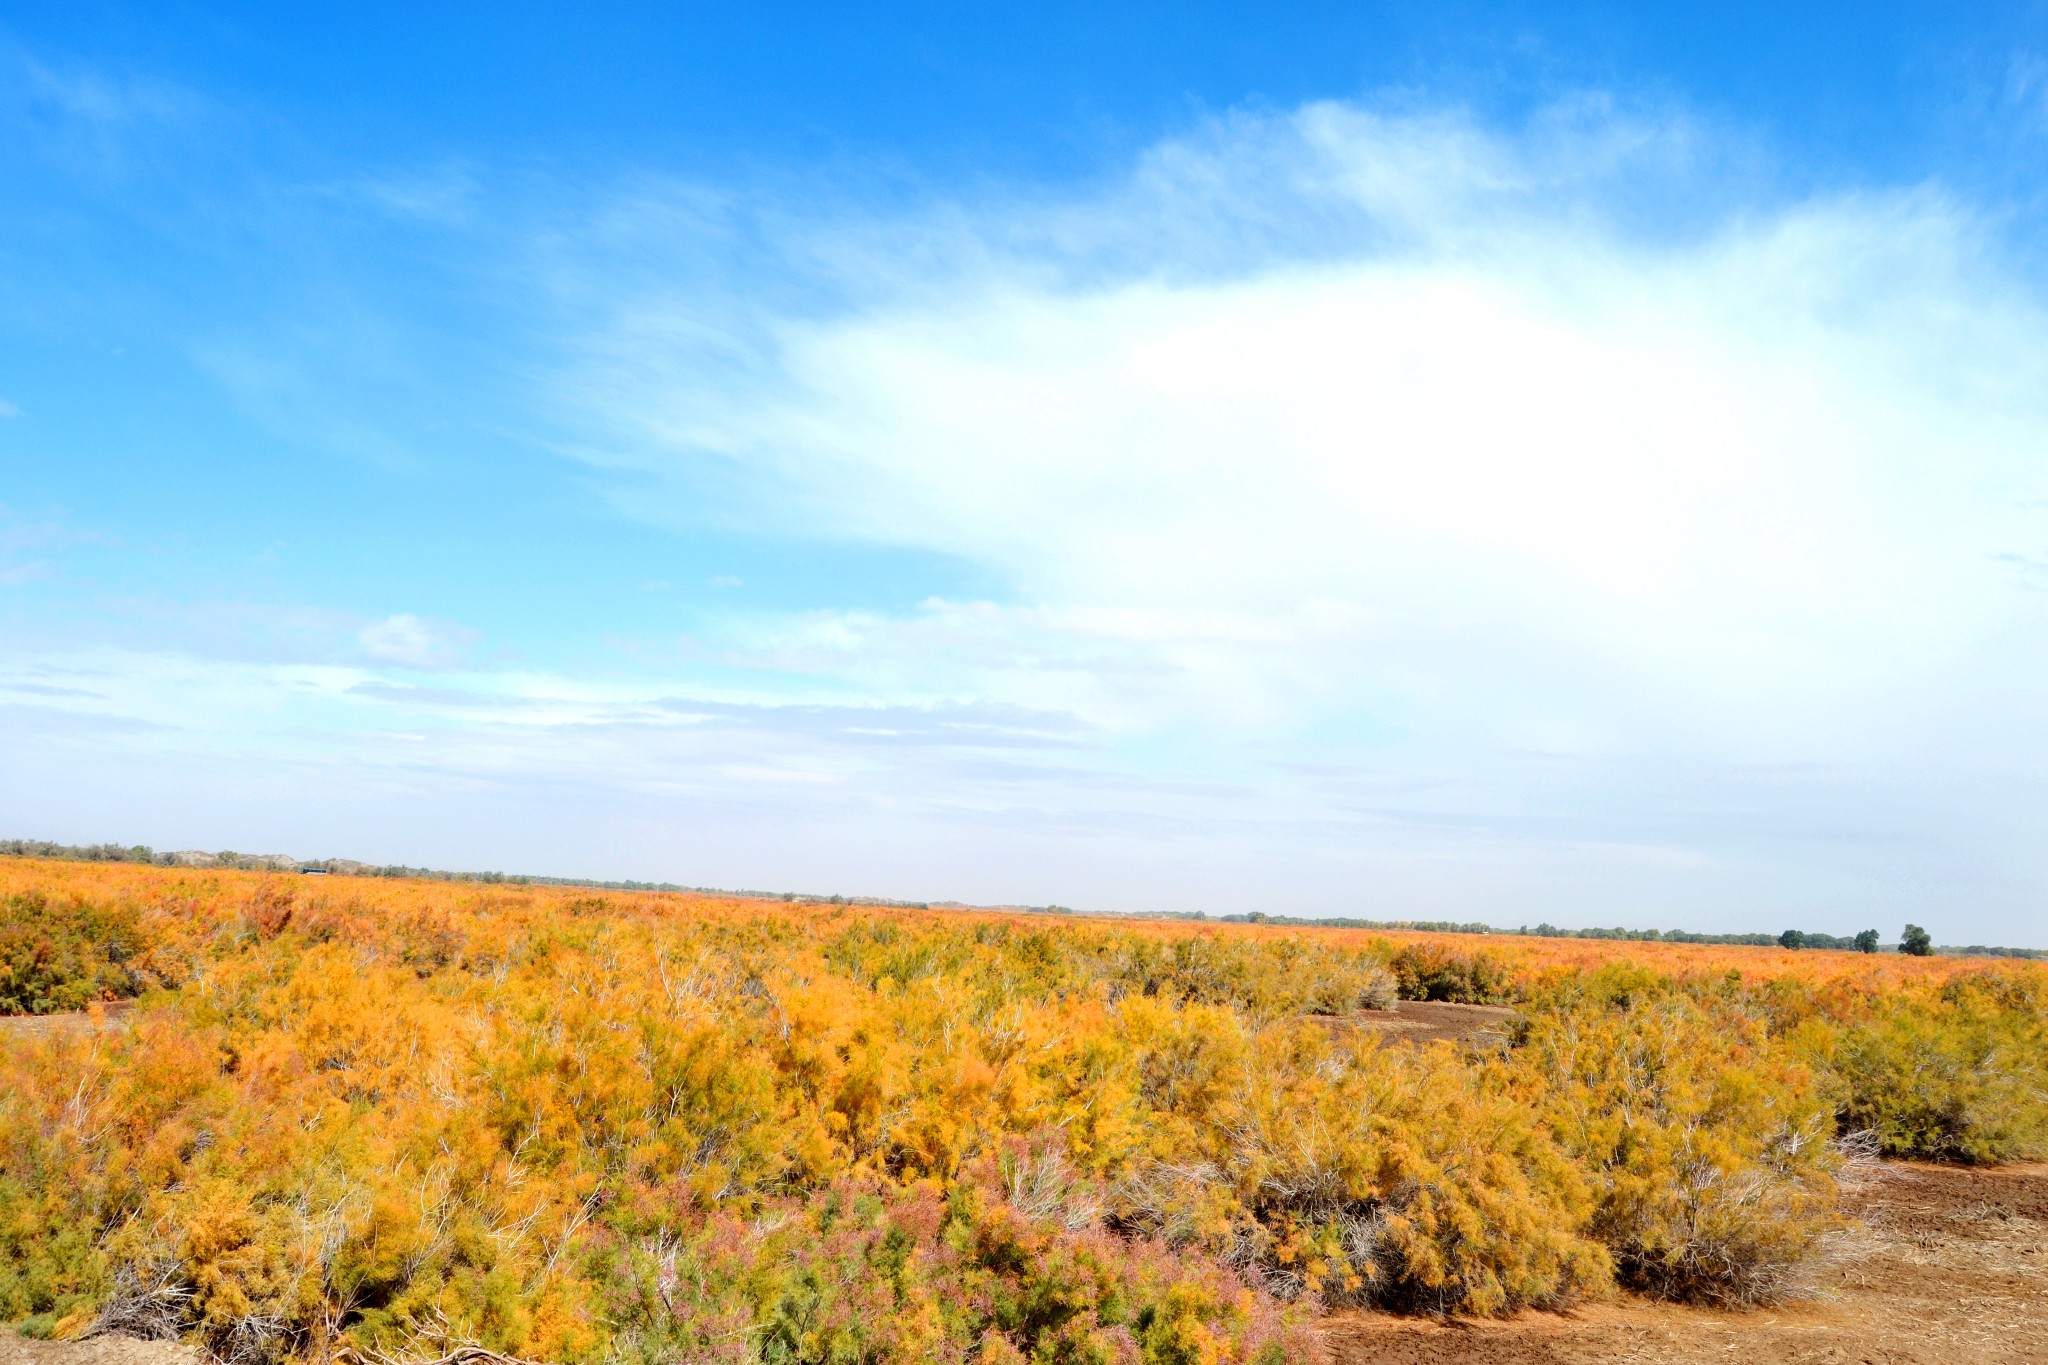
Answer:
(101, 98)
(443, 197)
(89, 119)
(31, 547)
(412, 642)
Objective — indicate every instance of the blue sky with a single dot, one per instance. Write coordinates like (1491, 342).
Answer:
(1511, 462)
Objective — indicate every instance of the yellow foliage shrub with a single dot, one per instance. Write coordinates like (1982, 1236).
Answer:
(1957, 1073)
(402, 1115)
(1707, 1143)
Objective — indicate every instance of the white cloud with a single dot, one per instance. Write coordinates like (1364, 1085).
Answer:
(1768, 464)
(411, 642)
(1481, 451)
(8, 409)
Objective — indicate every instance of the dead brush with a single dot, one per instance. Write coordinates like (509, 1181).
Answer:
(460, 1355)
(1167, 1201)
(1858, 1159)
(147, 1303)
(1858, 1167)
(454, 1348)
(1041, 1185)
(258, 1339)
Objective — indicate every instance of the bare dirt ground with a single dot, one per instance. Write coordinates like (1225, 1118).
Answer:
(1949, 1267)
(1427, 1021)
(113, 1014)
(16, 1350)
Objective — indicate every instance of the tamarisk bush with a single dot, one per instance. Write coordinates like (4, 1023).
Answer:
(397, 1118)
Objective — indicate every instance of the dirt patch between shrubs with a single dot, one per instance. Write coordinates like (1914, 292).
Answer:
(113, 1014)
(16, 1350)
(1427, 1021)
(1949, 1267)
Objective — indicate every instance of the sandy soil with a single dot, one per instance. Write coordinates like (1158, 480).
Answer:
(16, 1350)
(113, 1014)
(1950, 1267)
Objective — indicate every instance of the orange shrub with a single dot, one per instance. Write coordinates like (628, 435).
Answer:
(404, 1114)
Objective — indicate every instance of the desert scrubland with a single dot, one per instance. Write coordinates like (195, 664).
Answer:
(315, 1118)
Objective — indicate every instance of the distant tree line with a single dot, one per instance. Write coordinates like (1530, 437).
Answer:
(82, 853)
(1413, 926)
(1914, 940)
(143, 853)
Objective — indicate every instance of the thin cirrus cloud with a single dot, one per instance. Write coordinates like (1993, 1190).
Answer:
(92, 122)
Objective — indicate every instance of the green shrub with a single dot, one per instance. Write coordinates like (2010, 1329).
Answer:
(1960, 1077)
(49, 1266)
(1424, 971)
(57, 956)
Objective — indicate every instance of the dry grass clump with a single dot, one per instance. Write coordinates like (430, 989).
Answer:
(421, 1119)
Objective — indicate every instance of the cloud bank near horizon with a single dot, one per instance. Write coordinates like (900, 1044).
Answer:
(1386, 514)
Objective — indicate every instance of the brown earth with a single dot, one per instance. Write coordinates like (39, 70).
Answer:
(16, 1350)
(1427, 1021)
(1949, 1267)
(113, 1014)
